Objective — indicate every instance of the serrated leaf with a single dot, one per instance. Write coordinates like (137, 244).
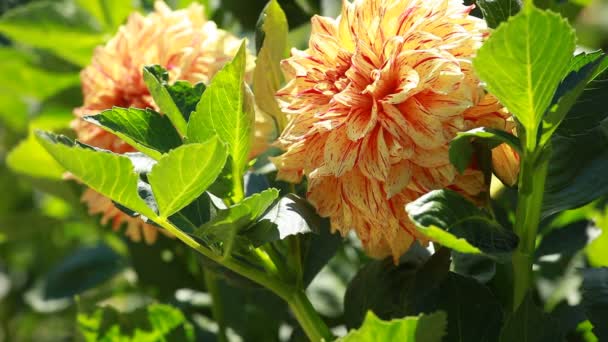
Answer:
(423, 328)
(144, 129)
(523, 62)
(183, 174)
(498, 11)
(267, 76)
(156, 78)
(220, 233)
(450, 219)
(109, 174)
(58, 26)
(583, 68)
(461, 147)
(223, 110)
(156, 322)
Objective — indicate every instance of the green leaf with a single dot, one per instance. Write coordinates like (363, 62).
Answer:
(30, 158)
(595, 300)
(498, 11)
(267, 76)
(424, 328)
(589, 109)
(597, 250)
(109, 174)
(530, 323)
(450, 219)
(84, 269)
(156, 79)
(185, 173)
(58, 26)
(144, 129)
(23, 77)
(223, 109)
(291, 215)
(221, 231)
(156, 322)
(461, 147)
(576, 170)
(110, 13)
(524, 61)
(583, 68)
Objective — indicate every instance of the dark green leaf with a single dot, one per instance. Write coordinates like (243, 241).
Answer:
(529, 323)
(157, 322)
(461, 147)
(583, 68)
(497, 11)
(291, 215)
(221, 232)
(156, 79)
(595, 300)
(144, 129)
(450, 219)
(84, 269)
(423, 328)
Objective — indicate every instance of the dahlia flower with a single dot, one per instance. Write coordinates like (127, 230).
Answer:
(184, 42)
(373, 104)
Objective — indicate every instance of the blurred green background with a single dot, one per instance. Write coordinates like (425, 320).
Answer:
(51, 250)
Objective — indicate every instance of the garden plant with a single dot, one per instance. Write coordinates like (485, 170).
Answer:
(357, 170)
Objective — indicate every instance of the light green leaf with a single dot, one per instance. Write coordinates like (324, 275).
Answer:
(110, 13)
(157, 322)
(597, 250)
(223, 109)
(58, 26)
(156, 79)
(220, 233)
(461, 148)
(185, 173)
(30, 158)
(524, 61)
(267, 76)
(144, 129)
(21, 77)
(109, 174)
(423, 328)
(450, 219)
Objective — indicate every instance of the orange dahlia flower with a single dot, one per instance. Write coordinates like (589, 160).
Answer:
(184, 42)
(373, 104)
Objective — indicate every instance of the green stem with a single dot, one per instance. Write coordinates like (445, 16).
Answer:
(309, 319)
(216, 304)
(238, 191)
(533, 174)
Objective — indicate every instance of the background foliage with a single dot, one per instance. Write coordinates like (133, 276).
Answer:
(59, 267)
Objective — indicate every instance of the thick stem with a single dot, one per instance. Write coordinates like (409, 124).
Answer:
(533, 173)
(307, 316)
(309, 319)
(216, 304)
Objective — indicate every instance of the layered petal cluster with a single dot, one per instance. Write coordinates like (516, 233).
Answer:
(184, 42)
(373, 104)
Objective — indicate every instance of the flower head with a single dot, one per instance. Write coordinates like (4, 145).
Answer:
(373, 103)
(185, 43)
